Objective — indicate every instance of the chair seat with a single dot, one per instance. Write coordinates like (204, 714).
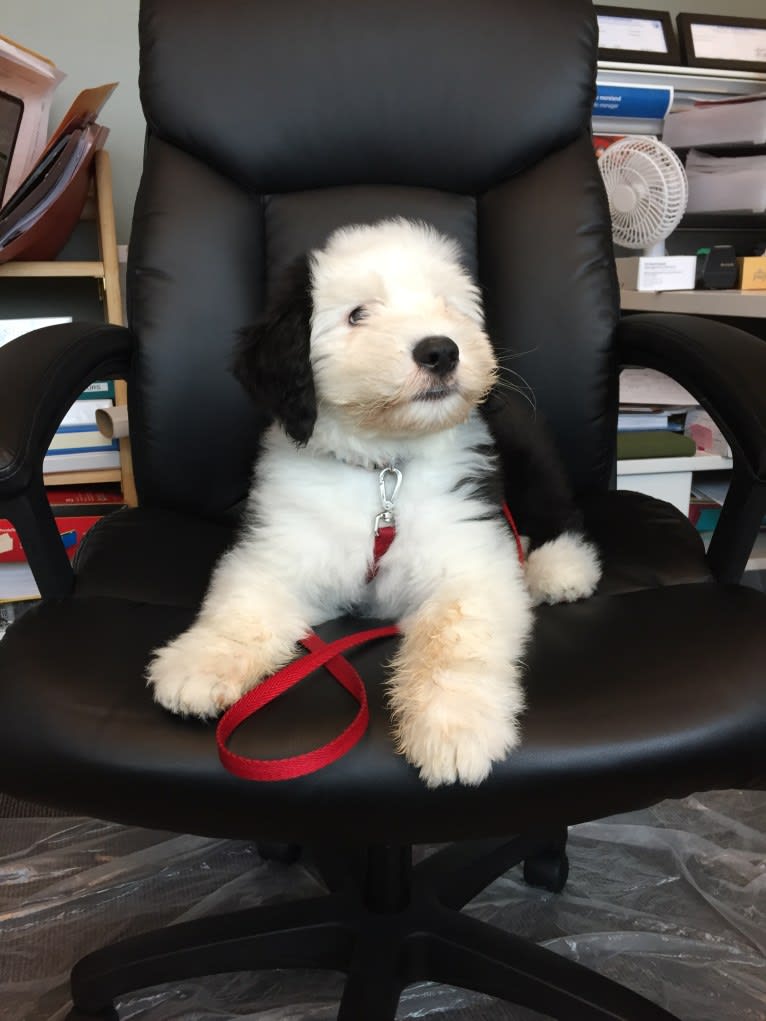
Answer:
(614, 718)
(164, 557)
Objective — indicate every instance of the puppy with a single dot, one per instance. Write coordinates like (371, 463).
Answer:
(373, 362)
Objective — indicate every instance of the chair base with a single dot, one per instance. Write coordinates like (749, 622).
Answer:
(385, 924)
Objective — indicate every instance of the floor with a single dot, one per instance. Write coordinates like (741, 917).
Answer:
(670, 900)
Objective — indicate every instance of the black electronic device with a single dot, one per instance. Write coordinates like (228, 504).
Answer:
(717, 268)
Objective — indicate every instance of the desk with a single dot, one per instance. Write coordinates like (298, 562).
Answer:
(667, 478)
(749, 304)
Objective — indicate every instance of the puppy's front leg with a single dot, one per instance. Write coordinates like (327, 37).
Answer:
(247, 628)
(455, 692)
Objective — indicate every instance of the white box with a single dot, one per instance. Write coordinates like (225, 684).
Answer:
(657, 273)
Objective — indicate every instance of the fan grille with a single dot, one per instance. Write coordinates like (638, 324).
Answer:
(655, 177)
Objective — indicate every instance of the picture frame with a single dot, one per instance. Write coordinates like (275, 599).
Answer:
(722, 41)
(634, 35)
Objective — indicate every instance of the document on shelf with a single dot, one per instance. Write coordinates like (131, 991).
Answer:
(741, 121)
(725, 183)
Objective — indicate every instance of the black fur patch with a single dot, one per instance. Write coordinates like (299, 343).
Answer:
(534, 479)
(485, 485)
(272, 358)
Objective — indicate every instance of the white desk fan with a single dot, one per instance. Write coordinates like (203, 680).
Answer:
(647, 191)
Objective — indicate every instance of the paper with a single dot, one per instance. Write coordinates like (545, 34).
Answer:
(10, 329)
(652, 389)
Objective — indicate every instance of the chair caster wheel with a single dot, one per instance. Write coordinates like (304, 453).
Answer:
(286, 854)
(548, 870)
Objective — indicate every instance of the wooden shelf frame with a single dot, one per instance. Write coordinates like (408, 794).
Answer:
(105, 270)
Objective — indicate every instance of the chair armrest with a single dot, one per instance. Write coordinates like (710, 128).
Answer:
(41, 375)
(725, 369)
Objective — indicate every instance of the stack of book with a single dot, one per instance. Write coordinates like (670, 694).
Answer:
(76, 510)
(78, 445)
(652, 416)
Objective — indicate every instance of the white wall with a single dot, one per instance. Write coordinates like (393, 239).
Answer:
(95, 41)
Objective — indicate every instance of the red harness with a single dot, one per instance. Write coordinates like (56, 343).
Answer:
(330, 656)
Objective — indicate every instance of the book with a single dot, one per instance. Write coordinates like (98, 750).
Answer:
(17, 583)
(86, 499)
(77, 510)
(71, 528)
(72, 438)
(28, 81)
(653, 443)
(81, 460)
(98, 390)
(637, 419)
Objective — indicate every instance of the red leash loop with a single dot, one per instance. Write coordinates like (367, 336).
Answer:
(320, 654)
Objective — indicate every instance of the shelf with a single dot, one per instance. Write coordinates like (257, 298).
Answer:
(751, 304)
(688, 82)
(52, 269)
(98, 207)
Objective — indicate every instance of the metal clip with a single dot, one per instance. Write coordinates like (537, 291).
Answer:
(388, 495)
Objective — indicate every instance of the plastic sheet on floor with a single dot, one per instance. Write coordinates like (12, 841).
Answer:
(670, 901)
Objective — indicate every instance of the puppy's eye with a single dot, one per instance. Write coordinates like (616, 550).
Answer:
(357, 314)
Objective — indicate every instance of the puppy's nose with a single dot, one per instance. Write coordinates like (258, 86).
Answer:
(438, 354)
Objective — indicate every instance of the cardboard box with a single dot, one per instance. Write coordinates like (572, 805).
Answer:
(752, 273)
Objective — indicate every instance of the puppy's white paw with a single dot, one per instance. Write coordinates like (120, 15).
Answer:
(451, 736)
(563, 570)
(202, 672)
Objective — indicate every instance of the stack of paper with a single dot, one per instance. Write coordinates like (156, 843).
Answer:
(737, 121)
(725, 183)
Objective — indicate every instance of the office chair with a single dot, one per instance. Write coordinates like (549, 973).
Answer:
(270, 124)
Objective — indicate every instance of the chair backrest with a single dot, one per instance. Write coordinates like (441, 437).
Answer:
(270, 123)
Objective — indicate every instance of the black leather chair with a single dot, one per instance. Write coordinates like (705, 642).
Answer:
(269, 124)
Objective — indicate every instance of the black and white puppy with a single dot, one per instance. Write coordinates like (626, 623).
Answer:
(373, 362)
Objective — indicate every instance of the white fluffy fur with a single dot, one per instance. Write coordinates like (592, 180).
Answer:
(563, 570)
(451, 579)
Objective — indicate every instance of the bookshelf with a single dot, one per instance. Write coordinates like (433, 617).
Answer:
(105, 271)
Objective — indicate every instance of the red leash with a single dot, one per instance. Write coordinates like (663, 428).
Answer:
(320, 654)
(330, 656)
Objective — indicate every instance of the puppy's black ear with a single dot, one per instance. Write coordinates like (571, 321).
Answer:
(272, 358)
